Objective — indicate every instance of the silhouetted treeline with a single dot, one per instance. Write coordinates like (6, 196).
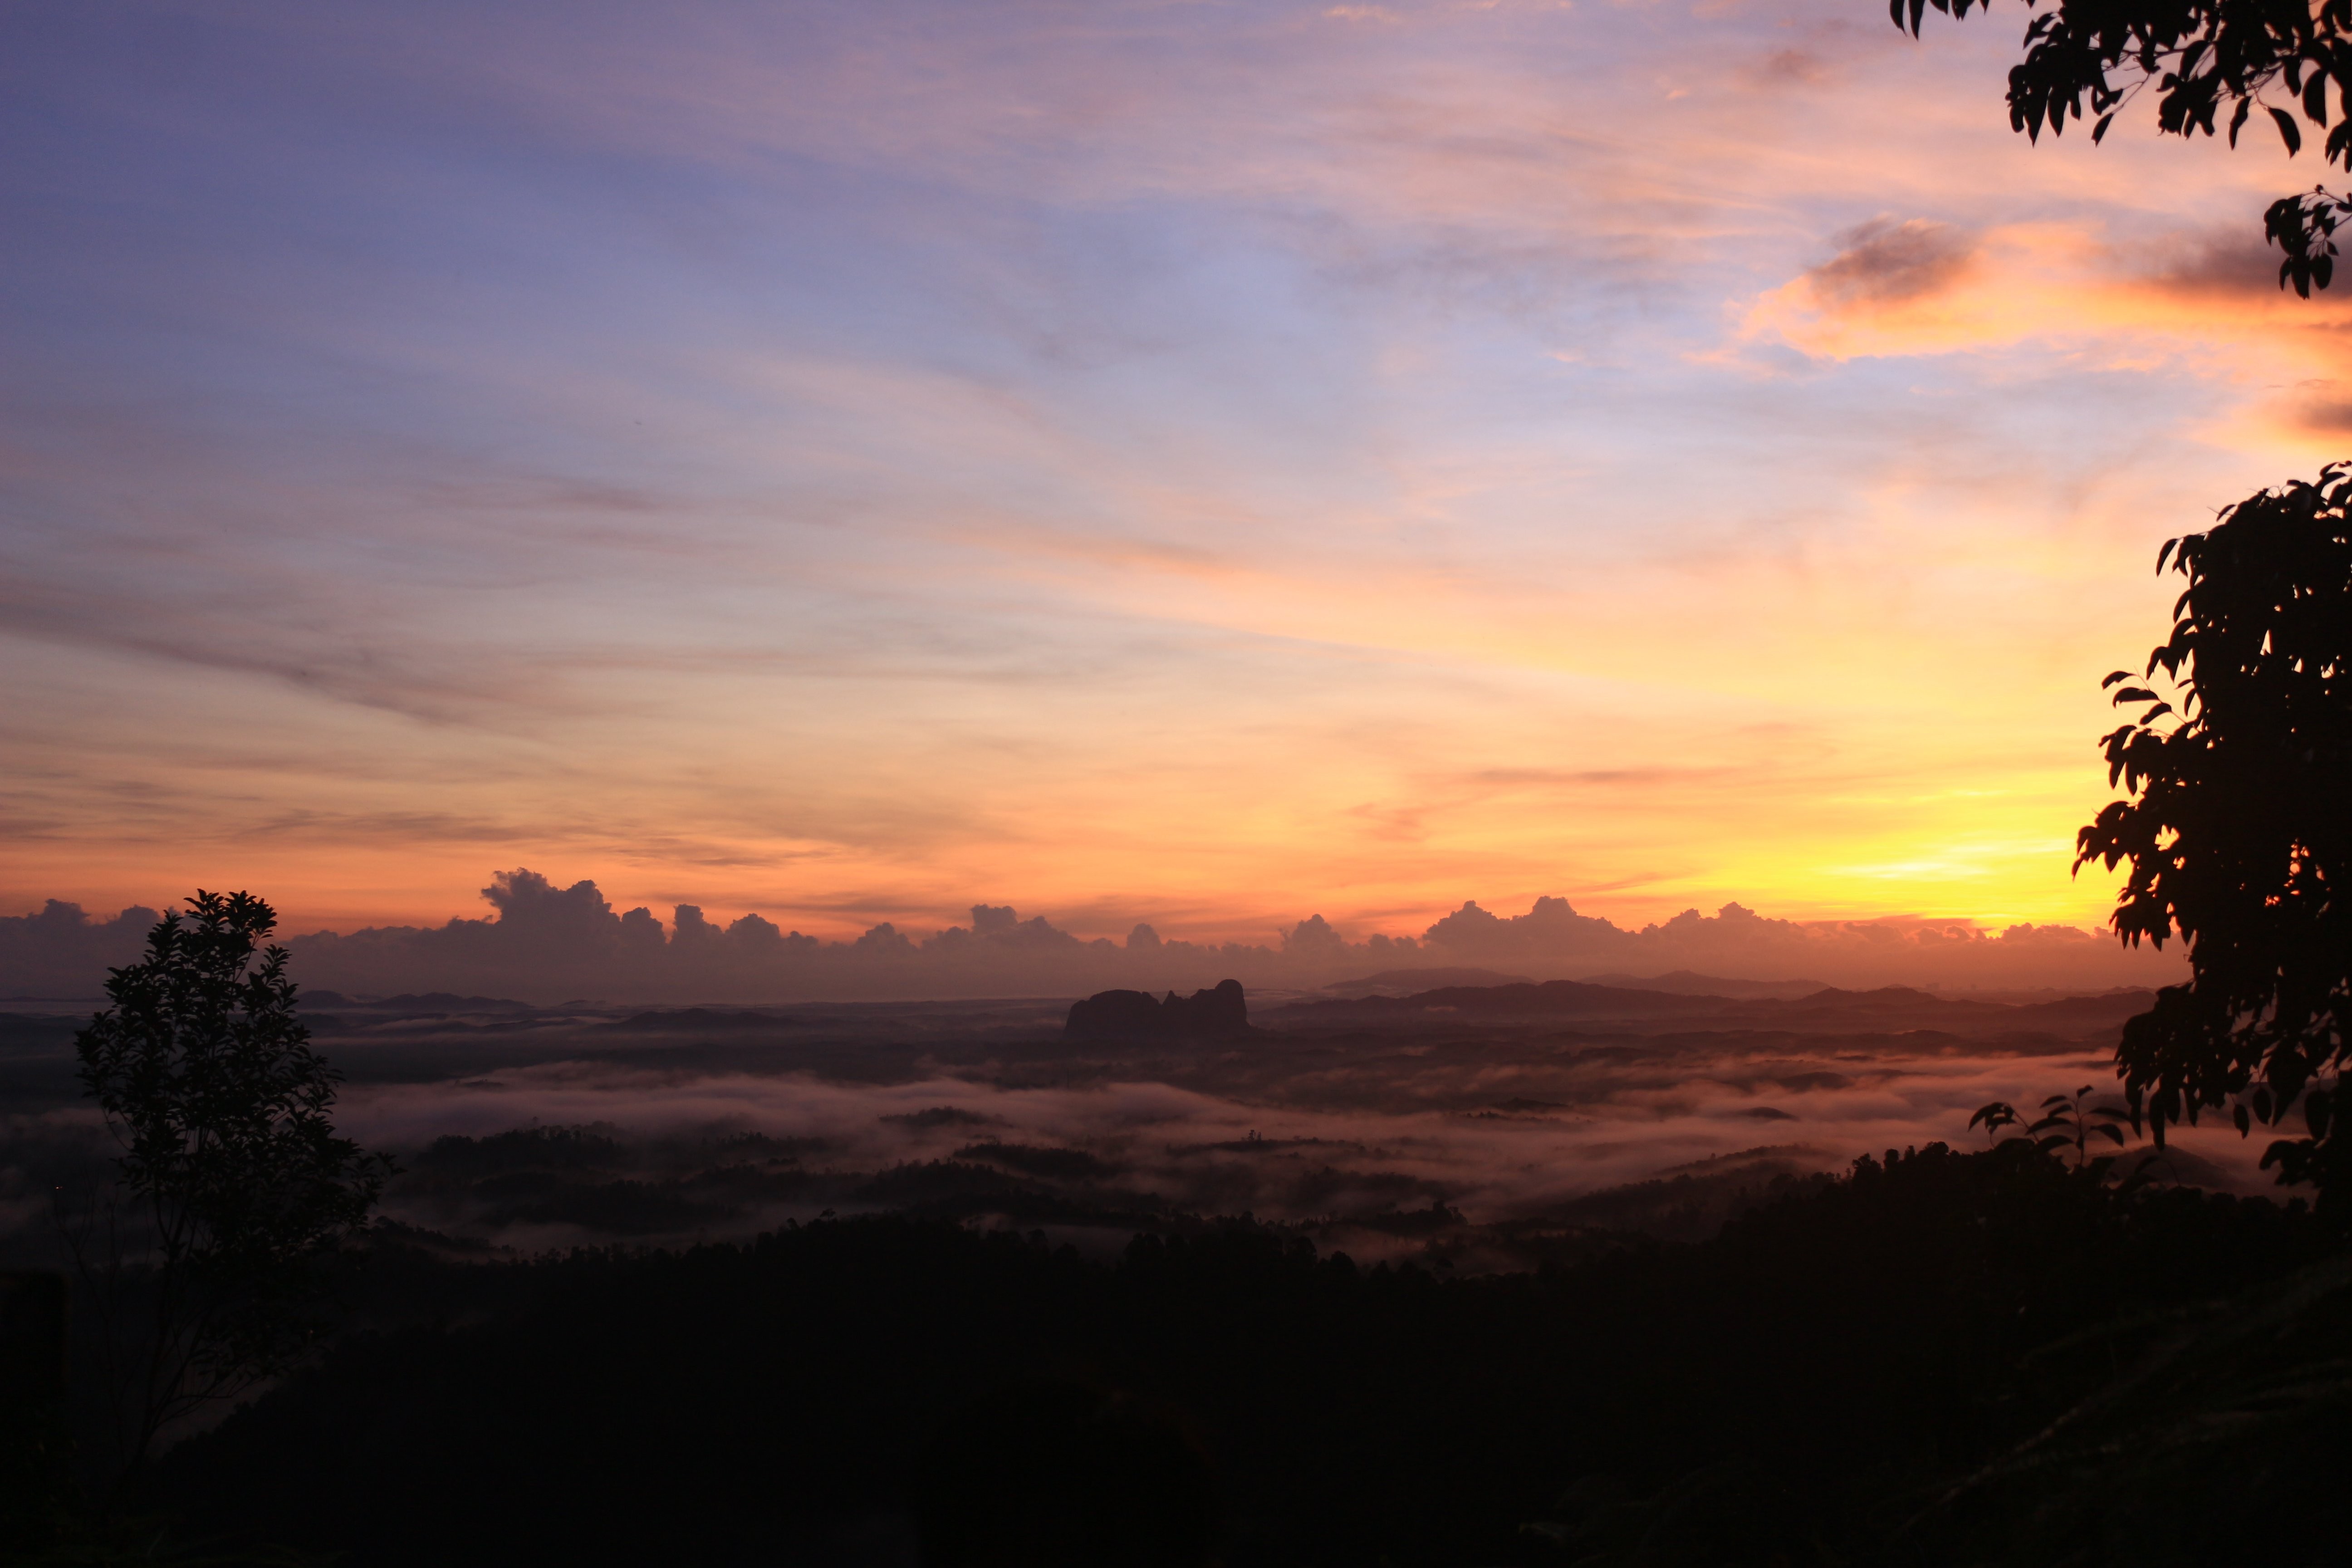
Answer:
(1807, 1387)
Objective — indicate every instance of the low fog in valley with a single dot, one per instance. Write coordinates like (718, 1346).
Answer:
(1490, 1125)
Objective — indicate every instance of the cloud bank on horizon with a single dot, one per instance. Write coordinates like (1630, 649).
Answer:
(1191, 463)
(547, 943)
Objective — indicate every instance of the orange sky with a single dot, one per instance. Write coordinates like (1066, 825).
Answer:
(1208, 464)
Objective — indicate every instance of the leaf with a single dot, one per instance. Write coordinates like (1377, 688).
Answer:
(2238, 1114)
(2237, 121)
(2099, 131)
(2287, 131)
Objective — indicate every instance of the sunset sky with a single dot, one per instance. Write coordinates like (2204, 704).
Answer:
(1203, 463)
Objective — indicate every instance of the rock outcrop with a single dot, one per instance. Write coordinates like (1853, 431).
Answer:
(1219, 1014)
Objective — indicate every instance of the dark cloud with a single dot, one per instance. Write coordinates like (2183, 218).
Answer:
(1824, 51)
(1884, 262)
(63, 953)
(2227, 262)
(1791, 68)
(2328, 413)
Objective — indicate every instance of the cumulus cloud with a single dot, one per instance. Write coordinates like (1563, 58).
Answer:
(549, 942)
(63, 953)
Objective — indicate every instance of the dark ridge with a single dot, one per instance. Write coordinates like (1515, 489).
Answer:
(616, 1208)
(431, 1002)
(1054, 1165)
(700, 1021)
(942, 1116)
(2075, 1010)
(1900, 1008)
(1253, 1144)
(1406, 980)
(1877, 996)
(1430, 1221)
(524, 1149)
(1685, 983)
(1553, 998)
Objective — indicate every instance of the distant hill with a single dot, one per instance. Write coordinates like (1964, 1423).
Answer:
(431, 1002)
(1221, 1013)
(1894, 1008)
(1404, 982)
(701, 1020)
(1685, 983)
(1553, 998)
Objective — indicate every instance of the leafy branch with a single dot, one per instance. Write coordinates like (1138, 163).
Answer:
(2086, 58)
(2066, 1123)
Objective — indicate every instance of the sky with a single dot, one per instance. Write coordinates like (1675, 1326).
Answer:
(1200, 463)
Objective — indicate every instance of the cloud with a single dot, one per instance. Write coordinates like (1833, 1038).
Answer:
(2233, 262)
(1884, 262)
(1791, 67)
(905, 452)
(62, 953)
(1918, 287)
(549, 942)
(2207, 303)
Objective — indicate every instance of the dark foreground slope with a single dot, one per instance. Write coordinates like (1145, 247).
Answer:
(1854, 1372)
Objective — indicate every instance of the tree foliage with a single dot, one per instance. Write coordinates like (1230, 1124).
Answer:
(2238, 831)
(2286, 57)
(2065, 1126)
(238, 1187)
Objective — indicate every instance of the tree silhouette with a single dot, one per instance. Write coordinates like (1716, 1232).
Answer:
(238, 1189)
(2239, 829)
(2200, 55)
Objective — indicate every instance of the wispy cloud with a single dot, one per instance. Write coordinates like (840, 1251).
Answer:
(1252, 457)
